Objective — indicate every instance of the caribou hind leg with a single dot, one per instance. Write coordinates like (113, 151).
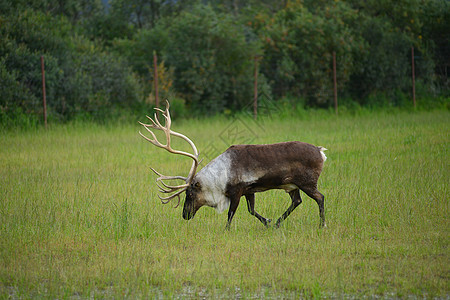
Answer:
(320, 199)
(296, 201)
(251, 209)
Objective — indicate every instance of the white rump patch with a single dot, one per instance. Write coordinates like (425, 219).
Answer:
(322, 149)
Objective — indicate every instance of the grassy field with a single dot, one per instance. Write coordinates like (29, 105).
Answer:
(80, 217)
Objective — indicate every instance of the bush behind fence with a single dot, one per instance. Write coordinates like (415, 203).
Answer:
(206, 58)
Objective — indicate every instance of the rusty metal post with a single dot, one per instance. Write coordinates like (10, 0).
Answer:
(44, 96)
(413, 77)
(335, 83)
(155, 77)
(255, 89)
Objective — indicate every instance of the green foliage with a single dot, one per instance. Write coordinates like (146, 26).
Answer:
(74, 10)
(109, 26)
(13, 90)
(390, 29)
(212, 62)
(208, 51)
(435, 18)
(105, 80)
(21, 69)
(80, 77)
(140, 49)
(99, 57)
(298, 48)
(385, 65)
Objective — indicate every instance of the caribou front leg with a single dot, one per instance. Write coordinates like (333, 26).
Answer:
(234, 203)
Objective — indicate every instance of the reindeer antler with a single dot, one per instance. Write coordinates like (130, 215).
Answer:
(173, 190)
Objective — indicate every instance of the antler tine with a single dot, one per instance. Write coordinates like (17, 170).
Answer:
(153, 125)
(166, 115)
(174, 190)
(158, 124)
(164, 177)
(160, 110)
(168, 188)
(171, 188)
(166, 200)
(154, 141)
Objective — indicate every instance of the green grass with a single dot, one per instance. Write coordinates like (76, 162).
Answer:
(80, 217)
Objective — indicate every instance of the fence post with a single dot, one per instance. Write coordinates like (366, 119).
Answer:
(335, 83)
(413, 77)
(155, 77)
(44, 96)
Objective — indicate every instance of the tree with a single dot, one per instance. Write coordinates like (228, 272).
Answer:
(80, 77)
(436, 39)
(212, 61)
(298, 47)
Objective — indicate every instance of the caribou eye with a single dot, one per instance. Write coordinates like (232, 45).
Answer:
(195, 185)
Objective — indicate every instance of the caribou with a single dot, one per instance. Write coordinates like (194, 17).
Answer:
(242, 170)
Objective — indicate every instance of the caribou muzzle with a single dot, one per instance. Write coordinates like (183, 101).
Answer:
(188, 213)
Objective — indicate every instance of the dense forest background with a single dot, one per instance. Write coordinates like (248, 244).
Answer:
(99, 54)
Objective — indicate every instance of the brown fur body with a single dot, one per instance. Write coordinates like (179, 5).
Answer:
(248, 169)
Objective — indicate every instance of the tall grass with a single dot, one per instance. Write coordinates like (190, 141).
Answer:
(80, 217)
